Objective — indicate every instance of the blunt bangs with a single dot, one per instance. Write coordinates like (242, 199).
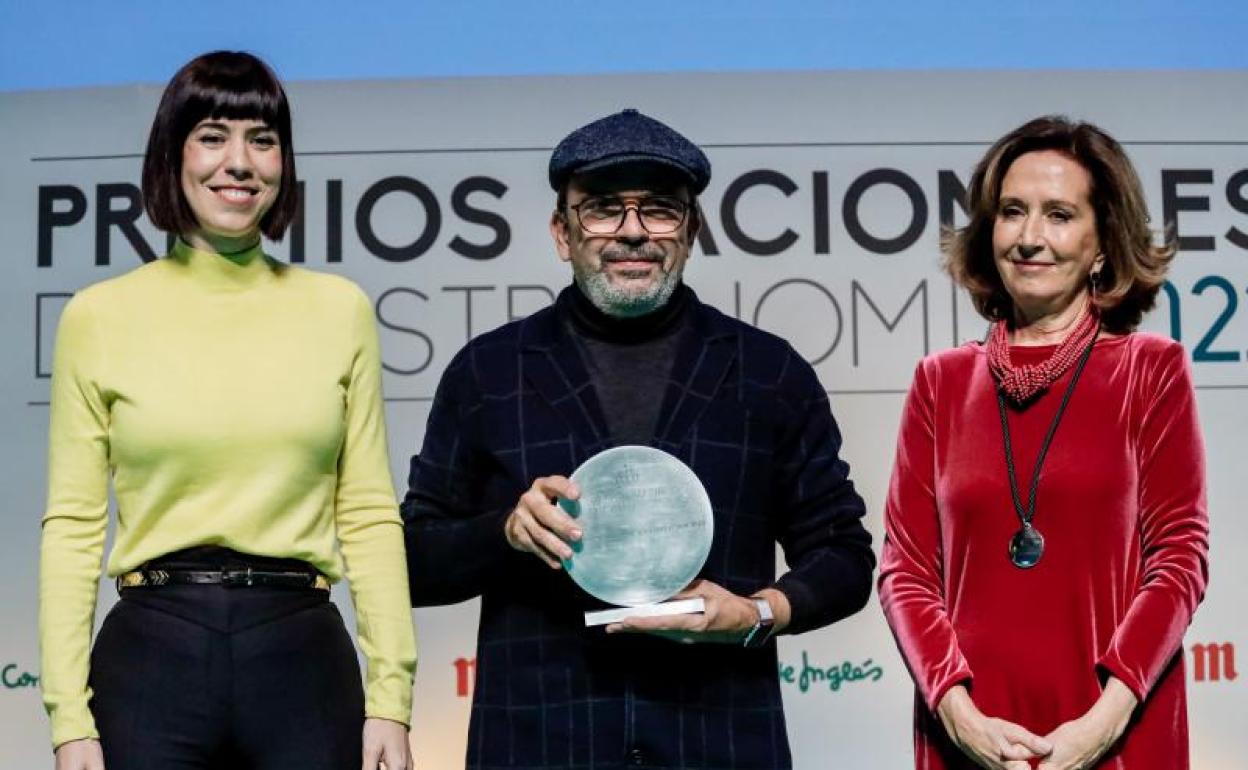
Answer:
(233, 93)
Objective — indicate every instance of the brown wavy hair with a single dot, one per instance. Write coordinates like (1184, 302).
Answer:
(1134, 268)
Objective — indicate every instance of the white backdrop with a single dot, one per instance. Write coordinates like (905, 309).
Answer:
(823, 219)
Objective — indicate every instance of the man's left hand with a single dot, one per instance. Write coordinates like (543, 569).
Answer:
(726, 619)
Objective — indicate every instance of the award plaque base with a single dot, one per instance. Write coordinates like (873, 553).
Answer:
(678, 607)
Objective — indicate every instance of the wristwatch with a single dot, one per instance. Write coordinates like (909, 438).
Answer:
(761, 632)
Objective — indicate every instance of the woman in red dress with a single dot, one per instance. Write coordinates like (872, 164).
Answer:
(1046, 530)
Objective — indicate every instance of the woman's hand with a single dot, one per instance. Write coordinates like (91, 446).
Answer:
(385, 745)
(82, 754)
(992, 743)
(1079, 743)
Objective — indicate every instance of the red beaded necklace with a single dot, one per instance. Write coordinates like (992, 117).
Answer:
(1022, 383)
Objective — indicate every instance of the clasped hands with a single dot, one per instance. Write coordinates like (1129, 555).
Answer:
(538, 526)
(998, 744)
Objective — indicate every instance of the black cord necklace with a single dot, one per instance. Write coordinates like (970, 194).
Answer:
(1027, 544)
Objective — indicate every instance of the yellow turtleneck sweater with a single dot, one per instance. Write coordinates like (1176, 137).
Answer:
(234, 402)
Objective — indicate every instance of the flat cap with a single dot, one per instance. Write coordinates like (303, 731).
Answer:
(628, 137)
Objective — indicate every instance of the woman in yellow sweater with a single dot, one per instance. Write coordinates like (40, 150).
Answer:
(235, 402)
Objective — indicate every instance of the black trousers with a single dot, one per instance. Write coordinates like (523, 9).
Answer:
(217, 678)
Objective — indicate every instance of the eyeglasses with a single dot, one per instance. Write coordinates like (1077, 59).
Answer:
(605, 216)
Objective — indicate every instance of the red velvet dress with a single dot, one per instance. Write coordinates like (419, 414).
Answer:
(1121, 505)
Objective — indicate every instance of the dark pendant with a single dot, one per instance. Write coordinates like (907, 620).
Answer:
(1026, 547)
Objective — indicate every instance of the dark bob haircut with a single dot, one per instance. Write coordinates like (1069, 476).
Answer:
(1134, 269)
(228, 85)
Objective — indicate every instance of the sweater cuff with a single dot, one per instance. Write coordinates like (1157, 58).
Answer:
(802, 603)
(72, 723)
(390, 698)
(391, 715)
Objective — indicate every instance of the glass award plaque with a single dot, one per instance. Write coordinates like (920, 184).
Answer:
(646, 528)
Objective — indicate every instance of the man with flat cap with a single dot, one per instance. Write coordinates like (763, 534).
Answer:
(629, 355)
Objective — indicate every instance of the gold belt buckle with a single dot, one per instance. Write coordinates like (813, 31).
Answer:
(140, 577)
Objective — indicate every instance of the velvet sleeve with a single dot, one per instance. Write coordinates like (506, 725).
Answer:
(455, 543)
(820, 528)
(911, 580)
(1173, 525)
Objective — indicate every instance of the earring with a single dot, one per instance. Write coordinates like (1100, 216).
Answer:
(1094, 281)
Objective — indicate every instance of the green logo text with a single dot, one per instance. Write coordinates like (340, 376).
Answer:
(836, 675)
(14, 678)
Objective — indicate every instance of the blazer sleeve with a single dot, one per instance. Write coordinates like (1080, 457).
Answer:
(1174, 530)
(456, 546)
(911, 572)
(819, 512)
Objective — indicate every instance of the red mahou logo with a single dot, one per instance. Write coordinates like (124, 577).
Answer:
(1214, 662)
(465, 676)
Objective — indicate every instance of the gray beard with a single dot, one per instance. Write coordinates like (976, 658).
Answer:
(621, 303)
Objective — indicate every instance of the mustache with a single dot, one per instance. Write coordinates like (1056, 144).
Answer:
(640, 253)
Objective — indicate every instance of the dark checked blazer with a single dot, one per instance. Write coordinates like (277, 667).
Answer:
(748, 415)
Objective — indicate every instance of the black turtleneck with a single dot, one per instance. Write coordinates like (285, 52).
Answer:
(629, 359)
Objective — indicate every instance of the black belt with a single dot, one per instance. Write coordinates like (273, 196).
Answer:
(230, 578)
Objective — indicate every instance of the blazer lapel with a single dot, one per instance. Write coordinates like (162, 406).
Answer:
(702, 362)
(552, 364)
